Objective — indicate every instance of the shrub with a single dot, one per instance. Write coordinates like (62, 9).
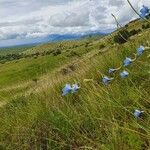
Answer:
(35, 57)
(48, 52)
(122, 36)
(10, 57)
(87, 44)
(134, 32)
(57, 52)
(145, 26)
(37, 54)
(73, 53)
(35, 80)
(75, 46)
(101, 46)
(65, 71)
(72, 67)
(3, 61)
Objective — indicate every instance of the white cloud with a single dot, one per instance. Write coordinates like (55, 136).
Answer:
(22, 19)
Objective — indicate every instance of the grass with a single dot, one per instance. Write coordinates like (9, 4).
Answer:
(96, 117)
(14, 50)
(24, 69)
(14, 72)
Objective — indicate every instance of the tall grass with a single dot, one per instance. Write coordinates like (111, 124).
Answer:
(96, 117)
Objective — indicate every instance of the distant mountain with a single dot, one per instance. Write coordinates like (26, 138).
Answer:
(52, 38)
(58, 37)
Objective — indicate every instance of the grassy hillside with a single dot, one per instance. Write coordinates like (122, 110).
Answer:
(16, 49)
(35, 115)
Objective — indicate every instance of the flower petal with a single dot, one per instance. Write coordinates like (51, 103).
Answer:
(67, 89)
(124, 74)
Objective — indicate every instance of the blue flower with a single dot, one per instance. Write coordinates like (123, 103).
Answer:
(140, 50)
(66, 90)
(124, 74)
(127, 61)
(70, 89)
(75, 88)
(106, 80)
(144, 11)
(111, 70)
(137, 113)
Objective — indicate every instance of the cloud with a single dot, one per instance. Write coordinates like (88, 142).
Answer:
(26, 19)
(116, 2)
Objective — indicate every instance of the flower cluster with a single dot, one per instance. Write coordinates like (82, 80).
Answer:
(137, 113)
(70, 89)
(144, 12)
(106, 80)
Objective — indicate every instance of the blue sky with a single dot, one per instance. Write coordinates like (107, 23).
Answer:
(23, 21)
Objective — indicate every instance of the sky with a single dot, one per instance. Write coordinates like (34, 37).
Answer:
(23, 21)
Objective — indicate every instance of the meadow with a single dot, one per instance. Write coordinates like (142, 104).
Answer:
(35, 115)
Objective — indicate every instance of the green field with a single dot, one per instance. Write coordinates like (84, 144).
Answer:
(34, 114)
(17, 49)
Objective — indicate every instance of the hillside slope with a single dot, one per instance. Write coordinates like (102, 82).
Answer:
(35, 115)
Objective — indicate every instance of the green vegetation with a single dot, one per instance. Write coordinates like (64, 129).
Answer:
(34, 115)
(14, 50)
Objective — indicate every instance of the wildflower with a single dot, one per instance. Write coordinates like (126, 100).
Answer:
(106, 80)
(140, 50)
(75, 88)
(137, 113)
(127, 61)
(124, 74)
(111, 70)
(144, 11)
(67, 89)
(70, 89)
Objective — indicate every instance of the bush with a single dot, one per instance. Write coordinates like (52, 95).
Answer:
(10, 57)
(145, 26)
(75, 46)
(87, 44)
(72, 67)
(57, 52)
(35, 80)
(65, 71)
(73, 53)
(134, 32)
(35, 57)
(101, 46)
(48, 52)
(37, 54)
(122, 36)
(3, 61)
